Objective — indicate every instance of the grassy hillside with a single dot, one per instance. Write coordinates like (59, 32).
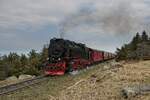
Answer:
(102, 82)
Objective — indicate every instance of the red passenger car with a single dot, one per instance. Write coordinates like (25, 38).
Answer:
(96, 56)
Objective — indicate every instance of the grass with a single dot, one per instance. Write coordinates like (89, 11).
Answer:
(49, 89)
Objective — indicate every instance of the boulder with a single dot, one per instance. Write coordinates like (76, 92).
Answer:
(133, 91)
(74, 72)
(12, 78)
(22, 77)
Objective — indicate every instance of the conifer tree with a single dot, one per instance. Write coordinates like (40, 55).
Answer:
(132, 50)
(44, 53)
(144, 36)
(24, 60)
(135, 41)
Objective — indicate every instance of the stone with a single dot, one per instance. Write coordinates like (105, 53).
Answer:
(22, 77)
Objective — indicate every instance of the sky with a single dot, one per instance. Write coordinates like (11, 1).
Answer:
(100, 24)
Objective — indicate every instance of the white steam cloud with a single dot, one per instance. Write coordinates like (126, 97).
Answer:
(118, 18)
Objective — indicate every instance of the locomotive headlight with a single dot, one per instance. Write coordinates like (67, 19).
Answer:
(59, 59)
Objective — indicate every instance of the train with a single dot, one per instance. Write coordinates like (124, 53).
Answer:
(68, 56)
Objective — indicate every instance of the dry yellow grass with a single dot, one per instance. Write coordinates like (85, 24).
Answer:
(107, 85)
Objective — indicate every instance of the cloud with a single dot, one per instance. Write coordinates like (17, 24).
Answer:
(118, 17)
(28, 24)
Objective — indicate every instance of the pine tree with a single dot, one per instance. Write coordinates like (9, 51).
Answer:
(24, 60)
(34, 62)
(144, 36)
(135, 41)
(121, 53)
(138, 46)
(44, 53)
(138, 38)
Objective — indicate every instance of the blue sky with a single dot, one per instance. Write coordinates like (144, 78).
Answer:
(100, 24)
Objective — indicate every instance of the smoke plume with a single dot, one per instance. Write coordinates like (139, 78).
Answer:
(118, 18)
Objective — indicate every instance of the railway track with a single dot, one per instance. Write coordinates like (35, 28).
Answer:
(14, 87)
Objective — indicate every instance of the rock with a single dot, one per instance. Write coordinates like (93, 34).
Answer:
(106, 67)
(93, 76)
(12, 78)
(22, 77)
(33, 76)
(74, 72)
(129, 92)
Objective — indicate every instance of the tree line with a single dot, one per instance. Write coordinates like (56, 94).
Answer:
(14, 64)
(138, 48)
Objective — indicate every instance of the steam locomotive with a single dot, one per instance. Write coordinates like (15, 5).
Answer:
(68, 56)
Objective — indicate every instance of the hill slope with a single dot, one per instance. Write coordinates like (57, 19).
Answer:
(107, 85)
(102, 82)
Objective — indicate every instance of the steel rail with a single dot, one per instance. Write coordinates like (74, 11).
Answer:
(14, 87)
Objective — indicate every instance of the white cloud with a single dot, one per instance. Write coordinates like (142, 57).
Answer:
(39, 12)
(27, 16)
